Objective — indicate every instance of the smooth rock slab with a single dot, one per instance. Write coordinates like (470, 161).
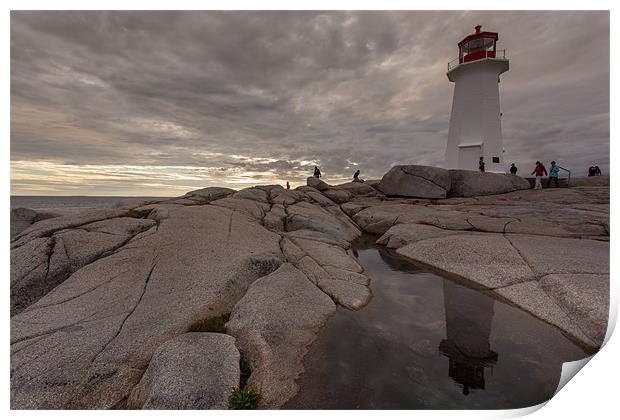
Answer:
(378, 219)
(274, 324)
(48, 226)
(549, 255)
(346, 288)
(485, 259)
(194, 371)
(531, 297)
(312, 217)
(66, 251)
(584, 298)
(400, 235)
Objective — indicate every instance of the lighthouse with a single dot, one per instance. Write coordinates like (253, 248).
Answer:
(475, 122)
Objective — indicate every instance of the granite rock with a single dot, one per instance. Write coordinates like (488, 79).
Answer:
(274, 324)
(416, 181)
(193, 371)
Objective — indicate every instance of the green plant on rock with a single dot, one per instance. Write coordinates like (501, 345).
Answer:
(246, 398)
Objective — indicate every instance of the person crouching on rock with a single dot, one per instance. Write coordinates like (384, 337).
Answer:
(317, 172)
(356, 176)
(481, 164)
(513, 169)
(538, 171)
(553, 175)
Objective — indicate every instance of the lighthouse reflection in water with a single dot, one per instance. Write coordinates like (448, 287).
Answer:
(469, 317)
(425, 341)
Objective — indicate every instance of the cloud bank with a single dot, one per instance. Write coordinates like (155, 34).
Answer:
(158, 103)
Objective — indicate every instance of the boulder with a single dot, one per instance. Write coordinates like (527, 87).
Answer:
(358, 188)
(416, 181)
(352, 208)
(274, 324)
(312, 217)
(466, 183)
(194, 371)
(518, 183)
(315, 182)
(337, 195)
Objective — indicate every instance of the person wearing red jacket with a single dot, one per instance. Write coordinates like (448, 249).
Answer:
(539, 170)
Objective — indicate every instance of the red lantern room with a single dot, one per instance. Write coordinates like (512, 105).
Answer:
(478, 45)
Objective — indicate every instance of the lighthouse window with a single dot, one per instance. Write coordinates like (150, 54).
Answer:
(475, 45)
(463, 50)
(488, 44)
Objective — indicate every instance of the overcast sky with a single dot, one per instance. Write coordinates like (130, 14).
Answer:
(160, 103)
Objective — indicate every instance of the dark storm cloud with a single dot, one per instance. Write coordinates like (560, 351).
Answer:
(269, 94)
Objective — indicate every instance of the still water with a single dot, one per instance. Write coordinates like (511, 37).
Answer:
(426, 342)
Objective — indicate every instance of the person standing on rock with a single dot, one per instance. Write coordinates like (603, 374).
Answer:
(513, 169)
(288, 186)
(356, 176)
(481, 164)
(539, 170)
(317, 172)
(553, 175)
(592, 171)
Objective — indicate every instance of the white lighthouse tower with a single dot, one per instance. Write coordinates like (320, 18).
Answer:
(475, 126)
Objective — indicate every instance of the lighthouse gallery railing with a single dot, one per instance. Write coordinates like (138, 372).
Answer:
(501, 54)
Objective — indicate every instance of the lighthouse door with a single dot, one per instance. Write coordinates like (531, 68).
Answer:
(469, 157)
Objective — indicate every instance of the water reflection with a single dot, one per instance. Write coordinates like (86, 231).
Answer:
(424, 341)
(469, 317)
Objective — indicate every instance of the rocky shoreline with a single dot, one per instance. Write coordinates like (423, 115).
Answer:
(111, 307)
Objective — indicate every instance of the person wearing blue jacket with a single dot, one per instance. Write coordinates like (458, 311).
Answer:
(553, 175)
